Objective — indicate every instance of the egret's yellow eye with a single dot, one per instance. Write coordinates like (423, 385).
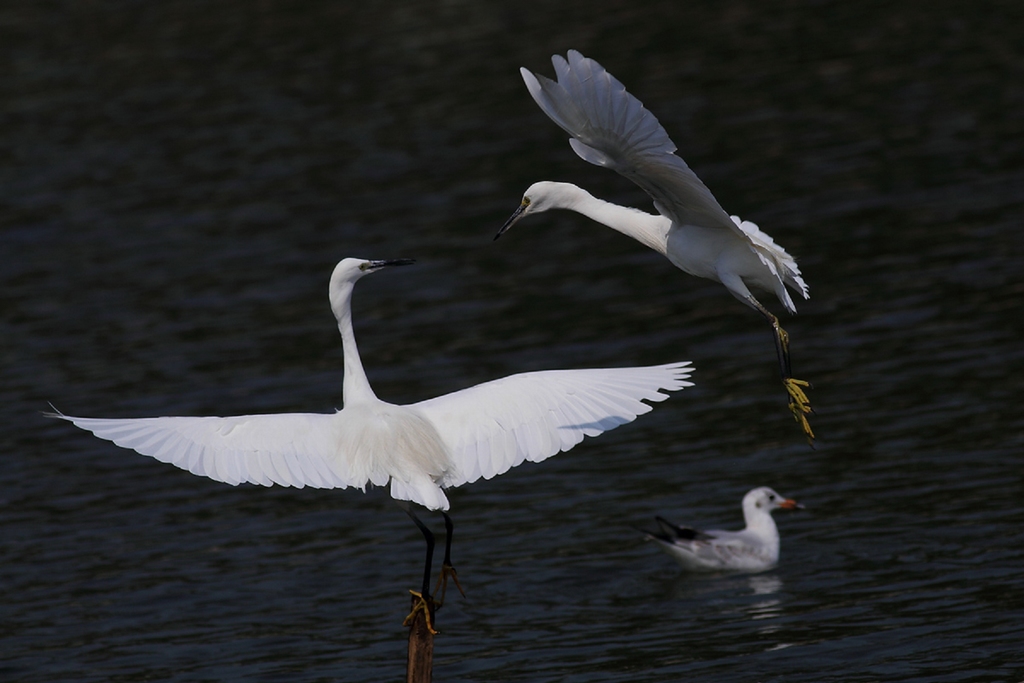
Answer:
(364, 265)
(526, 201)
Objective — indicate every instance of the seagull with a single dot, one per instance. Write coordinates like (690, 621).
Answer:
(611, 128)
(754, 549)
(421, 449)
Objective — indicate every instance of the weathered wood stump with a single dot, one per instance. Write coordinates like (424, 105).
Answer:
(421, 643)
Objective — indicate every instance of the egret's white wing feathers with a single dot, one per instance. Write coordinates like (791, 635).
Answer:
(486, 430)
(611, 128)
(285, 449)
(492, 427)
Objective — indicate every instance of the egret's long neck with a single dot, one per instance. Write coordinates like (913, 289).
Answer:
(356, 387)
(646, 228)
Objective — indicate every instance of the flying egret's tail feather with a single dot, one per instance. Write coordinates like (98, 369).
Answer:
(777, 260)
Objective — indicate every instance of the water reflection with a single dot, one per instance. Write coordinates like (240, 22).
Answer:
(764, 585)
(768, 608)
(755, 596)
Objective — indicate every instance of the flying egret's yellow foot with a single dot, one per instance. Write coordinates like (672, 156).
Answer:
(797, 397)
(801, 418)
(442, 582)
(423, 604)
(799, 404)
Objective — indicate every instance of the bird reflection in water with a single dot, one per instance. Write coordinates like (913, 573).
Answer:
(770, 607)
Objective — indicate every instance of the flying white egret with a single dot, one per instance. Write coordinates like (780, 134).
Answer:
(611, 128)
(756, 548)
(421, 448)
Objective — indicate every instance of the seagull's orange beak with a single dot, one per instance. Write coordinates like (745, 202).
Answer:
(790, 504)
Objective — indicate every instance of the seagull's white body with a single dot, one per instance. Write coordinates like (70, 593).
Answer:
(611, 128)
(753, 549)
(421, 448)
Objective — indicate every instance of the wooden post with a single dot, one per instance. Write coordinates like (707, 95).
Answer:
(421, 645)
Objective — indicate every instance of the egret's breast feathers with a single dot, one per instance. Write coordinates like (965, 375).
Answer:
(387, 441)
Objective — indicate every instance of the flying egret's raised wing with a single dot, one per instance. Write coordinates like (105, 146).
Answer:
(285, 449)
(495, 426)
(611, 128)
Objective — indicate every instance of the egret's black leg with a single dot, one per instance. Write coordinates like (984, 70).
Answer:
(781, 347)
(799, 404)
(428, 535)
(446, 567)
(422, 600)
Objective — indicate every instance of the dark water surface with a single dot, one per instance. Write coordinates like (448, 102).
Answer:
(177, 180)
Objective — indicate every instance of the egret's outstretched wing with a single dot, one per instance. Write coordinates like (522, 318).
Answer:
(287, 449)
(495, 426)
(610, 127)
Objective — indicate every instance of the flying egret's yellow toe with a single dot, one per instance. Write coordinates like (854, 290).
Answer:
(799, 404)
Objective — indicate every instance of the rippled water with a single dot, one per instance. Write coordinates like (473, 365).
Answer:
(178, 179)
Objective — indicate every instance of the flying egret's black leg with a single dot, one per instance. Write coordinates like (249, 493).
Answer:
(781, 347)
(422, 600)
(447, 570)
(799, 404)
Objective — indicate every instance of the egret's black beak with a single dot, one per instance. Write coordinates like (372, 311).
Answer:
(374, 265)
(513, 218)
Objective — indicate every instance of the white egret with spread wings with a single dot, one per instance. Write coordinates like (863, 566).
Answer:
(611, 128)
(420, 448)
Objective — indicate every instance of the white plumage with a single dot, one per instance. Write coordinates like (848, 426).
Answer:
(421, 448)
(611, 128)
(753, 549)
